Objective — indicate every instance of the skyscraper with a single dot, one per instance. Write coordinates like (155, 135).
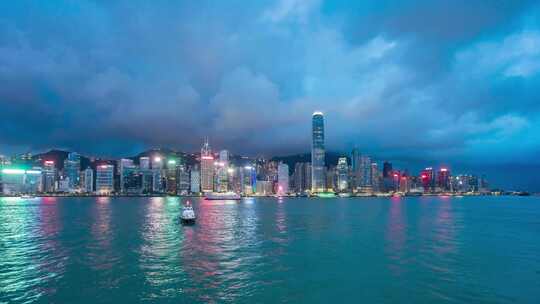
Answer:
(317, 153)
(207, 168)
(88, 186)
(104, 179)
(365, 172)
(283, 178)
(355, 168)
(195, 180)
(387, 169)
(342, 175)
(72, 165)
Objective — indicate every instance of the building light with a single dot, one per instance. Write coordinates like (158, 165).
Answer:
(248, 167)
(171, 162)
(157, 159)
(49, 162)
(33, 172)
(230, 170)
(13, 171)
(207, 157)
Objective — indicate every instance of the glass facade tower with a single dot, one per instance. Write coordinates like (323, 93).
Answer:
(317, 153)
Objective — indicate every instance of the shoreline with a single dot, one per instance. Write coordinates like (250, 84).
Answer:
(277, 197)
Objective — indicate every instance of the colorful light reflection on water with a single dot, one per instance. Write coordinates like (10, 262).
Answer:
(384, 250)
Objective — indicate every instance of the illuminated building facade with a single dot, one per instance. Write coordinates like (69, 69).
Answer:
(104, 179)
(72, 167)
(19, 180)
(207, 168)
(317, 154)
(342, 175)
(283, 179)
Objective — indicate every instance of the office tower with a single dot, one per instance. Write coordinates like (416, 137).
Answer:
(88, 185)
(317, 153)
(157, 181)
(387, 169)
(49, 176)
(18, 180)
(104, 179)
(207, 168)
(223, 178)
(172, 175)
(427, 178)
(195, 180)
(299, 177)
(443, 179)
(365, 172)
(124, 166)
(184, 182)
(342, 175)
(249, 179)
(330, 176)
(72, 166)
(144, 163)
(375, 178)
(355, 169)
(224, 157)
(283, 179)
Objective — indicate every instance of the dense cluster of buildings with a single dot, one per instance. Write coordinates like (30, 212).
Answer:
(160, 172)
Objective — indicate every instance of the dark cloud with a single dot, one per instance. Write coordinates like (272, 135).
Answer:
(428, 80)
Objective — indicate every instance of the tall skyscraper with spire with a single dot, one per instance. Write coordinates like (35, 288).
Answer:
(207, 168)
(318, 181)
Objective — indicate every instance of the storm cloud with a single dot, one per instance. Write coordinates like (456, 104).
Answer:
(424, 80)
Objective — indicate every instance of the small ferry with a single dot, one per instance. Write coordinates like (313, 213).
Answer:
(222, 196)
(27, 196)
(188, 214)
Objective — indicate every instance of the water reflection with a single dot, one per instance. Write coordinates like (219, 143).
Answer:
(32, 258)
(396, 236)
(217, 250)
(159, 254)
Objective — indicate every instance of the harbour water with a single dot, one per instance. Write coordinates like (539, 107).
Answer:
(297, 250)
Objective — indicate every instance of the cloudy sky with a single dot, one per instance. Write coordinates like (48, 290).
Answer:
(416, 82)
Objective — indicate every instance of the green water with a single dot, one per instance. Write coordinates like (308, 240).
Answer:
(362, 250)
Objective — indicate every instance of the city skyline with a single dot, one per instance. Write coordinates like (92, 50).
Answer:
(460, 92)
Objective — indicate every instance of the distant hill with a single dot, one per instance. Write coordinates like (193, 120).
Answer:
(331, 158)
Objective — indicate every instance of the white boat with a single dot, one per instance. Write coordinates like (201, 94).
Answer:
(188, 214)
(27, 196)
(344, 194)
(223, 196)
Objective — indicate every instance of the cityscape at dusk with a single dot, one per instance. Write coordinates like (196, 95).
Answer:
(273, 151)
(167, 172)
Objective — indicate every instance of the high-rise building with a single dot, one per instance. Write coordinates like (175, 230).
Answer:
(427, 178)
(49, 176)
(283, 179)
(375, 177)
(356, 171)
(104, 179)
(144, 163)
(365, 172)
(124, 165)
(72, 166)
(387, 169)
(18, 180)
(207, 168)
(195, 180)
(443, 179)
(184, 183)
(317, 153)
(342, 175)
(88, 180)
